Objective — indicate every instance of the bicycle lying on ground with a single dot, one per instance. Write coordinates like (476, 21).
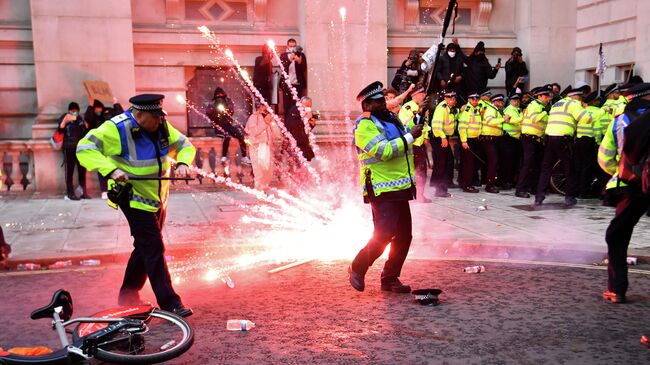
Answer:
(125, 335)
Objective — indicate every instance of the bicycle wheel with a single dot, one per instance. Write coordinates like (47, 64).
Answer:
(164, 337)
(558, 178)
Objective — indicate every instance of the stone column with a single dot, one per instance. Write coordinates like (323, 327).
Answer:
(76, 40)
(546, 32)
(642, 65)
(322, 35)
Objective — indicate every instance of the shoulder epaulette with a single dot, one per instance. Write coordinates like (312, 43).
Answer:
(119, 118)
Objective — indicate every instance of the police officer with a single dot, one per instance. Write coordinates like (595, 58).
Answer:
(384, 149)
(491, 133)
(561, 128)
(469, 130)
(631, 202)
(409, 115)
(141, 143)
(532, 131)
(443, 124)
(510, 147)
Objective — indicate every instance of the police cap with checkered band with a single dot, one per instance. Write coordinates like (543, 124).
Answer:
(151, 103)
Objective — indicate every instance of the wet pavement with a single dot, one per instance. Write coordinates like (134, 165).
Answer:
(513, 313)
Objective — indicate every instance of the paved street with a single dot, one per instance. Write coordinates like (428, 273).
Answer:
(510, 314)
(459, 226)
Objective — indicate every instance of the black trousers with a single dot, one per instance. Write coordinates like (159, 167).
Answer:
(148, 258)
(533, 152)
(443, 160)
(630, 208)
(558, 147)
(467, 164)
(509, 159)
(420, 161)
(586, 164)
(490, 146)
(392, 221)
(103, 182)
(233, 131)
(287, 98)
(71, 161)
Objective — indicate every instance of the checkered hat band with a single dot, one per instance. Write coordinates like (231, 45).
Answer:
(147, 107)
(643, 93)
(373, 92)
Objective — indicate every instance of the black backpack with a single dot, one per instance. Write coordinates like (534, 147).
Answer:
(634, 164)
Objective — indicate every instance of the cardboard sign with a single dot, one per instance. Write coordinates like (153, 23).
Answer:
(99, 90)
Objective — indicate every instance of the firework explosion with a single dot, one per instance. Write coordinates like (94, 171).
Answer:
(318, 215)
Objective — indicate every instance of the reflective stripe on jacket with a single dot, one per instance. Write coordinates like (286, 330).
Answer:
(381, 150)
(443, 122)
(492, 121)
(122, 144)
(565, 116)
(408, 115)
(513, 126)
(469, 122)
(535, 119)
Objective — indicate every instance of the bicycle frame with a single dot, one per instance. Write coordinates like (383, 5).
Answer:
(91, 331)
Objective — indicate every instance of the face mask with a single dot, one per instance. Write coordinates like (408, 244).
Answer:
(75, 114)
(291, 49)
(451, 54)
(98, 113)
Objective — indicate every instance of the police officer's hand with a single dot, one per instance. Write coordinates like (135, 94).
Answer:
(416, 131)
(119, 175)
(506, 117)
(182, 170)
(465, 146)
(444, 143)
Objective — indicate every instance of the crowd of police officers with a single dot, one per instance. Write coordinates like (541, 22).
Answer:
(516, 142)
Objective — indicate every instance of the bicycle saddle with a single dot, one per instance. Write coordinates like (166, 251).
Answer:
(62, 299)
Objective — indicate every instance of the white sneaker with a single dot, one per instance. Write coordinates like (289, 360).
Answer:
(245, 160)
(65, 197)
(224, 159)
(104, 195)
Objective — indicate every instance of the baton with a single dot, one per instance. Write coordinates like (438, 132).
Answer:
(475, 155)
(141, 178)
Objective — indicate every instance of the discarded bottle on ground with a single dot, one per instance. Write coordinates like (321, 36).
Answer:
(60, 264)
(474, 269)
(28, 266)
(239, 325)
(89, 262)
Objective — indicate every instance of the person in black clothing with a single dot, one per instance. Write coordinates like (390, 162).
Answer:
(451, 63)
(263, 73)
(5, 250)
(478, 69)
(220, 112)
(74, 128)
(296, 127)
(95, 115)
(408, 73)
(294, 62)
(516, 72)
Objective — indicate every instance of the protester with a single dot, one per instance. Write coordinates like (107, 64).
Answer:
(449, 73)
(296, 127)
(478, 70)
(74, 128)
(394, 101)
(263, 73)
(143, 202)
(5, 249)
(259, 131)
(408, 73)
(516, 72)
(221, 113)
(294, 62)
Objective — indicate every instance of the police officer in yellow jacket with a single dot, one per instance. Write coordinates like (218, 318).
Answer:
(443, 125)
(532, 131)
(384, 144)
(139, 143)
(587, 132)
(510, 147)
(469, 130)
(409, 115)
(563, 120)
(491, 134)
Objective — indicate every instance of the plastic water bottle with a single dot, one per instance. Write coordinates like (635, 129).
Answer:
(89, 262)
(60, 264)
(239, 325)
(474, 269)
(28, 266)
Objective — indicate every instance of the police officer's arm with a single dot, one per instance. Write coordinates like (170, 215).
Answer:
(515, 118)
(180, 144)
(368, 138)
(463, 124)
(580, 114)
(437, 122)
(607, 152)
(492, 118)
(96, 145)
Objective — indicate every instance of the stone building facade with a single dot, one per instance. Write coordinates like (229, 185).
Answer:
(47, 47)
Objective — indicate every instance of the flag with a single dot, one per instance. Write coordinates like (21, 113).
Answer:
(601, 66)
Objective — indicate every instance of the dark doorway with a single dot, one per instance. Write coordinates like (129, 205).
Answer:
(200, 90)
